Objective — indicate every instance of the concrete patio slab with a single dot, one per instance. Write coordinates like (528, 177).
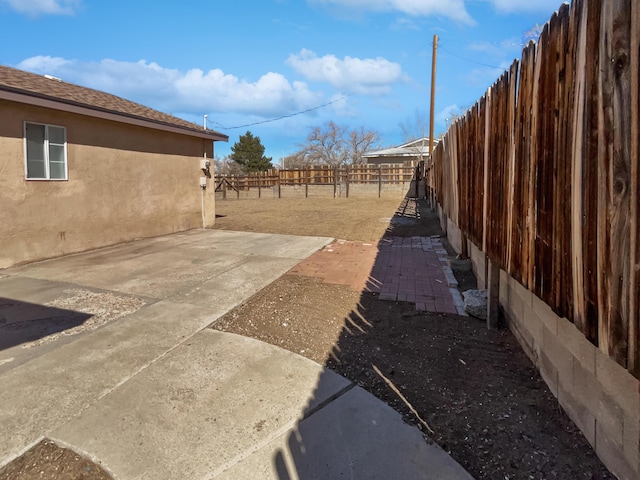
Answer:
(47, 391)
(165, 266)
(357, 437)
(200, 408)
(207, 271)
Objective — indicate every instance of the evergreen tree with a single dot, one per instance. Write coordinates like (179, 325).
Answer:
(248, 152)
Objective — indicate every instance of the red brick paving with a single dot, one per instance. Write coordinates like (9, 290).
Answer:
(406, 269)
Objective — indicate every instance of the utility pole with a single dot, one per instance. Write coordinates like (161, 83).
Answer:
(431, 119)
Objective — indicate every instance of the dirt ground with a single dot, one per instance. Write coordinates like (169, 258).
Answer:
(477, 391)
(363, 219)
(472, 391)
(49, 461)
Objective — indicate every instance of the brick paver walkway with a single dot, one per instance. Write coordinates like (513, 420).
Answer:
(412, 269)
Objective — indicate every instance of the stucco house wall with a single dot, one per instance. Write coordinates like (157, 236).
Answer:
(124, 182)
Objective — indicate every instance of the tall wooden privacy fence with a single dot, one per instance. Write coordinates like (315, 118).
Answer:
(543, 172)
(375, 176)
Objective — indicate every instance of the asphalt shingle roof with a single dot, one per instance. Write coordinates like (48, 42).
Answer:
(19, 81)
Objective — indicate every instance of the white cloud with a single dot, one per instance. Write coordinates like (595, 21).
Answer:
(453, 9)
(34, 8)
(512, 6)
(366, 76)
(43, 64)
(190, 92)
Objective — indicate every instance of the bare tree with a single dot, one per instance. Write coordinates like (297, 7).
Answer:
(335, 145)
(361, 141)
(296, 160)
(327, 145)
(226, 166)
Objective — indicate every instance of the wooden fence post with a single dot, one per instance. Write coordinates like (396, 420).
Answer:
(485, 205)
(432, 189)
(306, 182)
(259, 189)
(493, 293)
(347, 177)
(379, 181)
(279, 185)
(464, 248)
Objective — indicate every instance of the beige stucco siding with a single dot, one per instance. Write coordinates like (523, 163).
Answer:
(124, 182)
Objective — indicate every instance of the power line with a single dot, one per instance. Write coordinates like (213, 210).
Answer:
(284, 116)
(469, 60)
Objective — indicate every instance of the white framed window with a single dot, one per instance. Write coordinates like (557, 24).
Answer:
(45, 151)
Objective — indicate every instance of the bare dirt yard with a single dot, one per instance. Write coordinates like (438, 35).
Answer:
(471, 390)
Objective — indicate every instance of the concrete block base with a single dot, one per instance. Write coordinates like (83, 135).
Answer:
(599, 395)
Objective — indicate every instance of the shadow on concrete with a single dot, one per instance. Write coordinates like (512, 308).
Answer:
(23, 322)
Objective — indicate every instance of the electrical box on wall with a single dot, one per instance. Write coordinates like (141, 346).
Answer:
(203, 182)
(205, 164)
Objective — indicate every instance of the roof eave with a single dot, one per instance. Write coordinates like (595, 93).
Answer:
(71, 107)
(397, 154)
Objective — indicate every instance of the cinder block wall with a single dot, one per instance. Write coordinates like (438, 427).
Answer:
(600, 396)
(320, 191)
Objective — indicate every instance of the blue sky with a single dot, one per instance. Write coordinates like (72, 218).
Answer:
(359, 63)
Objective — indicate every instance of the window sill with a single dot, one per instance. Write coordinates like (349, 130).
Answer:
(47, 179)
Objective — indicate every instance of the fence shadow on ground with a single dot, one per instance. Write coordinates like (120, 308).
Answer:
(471, 390)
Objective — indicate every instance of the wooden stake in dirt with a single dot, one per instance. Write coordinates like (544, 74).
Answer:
(402, 397)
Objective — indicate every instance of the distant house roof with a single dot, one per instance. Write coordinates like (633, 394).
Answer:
(414, 148)
(24, 87)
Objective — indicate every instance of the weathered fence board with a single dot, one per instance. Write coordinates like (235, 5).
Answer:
(511, 163)
(521, 186)
(614, 148)
(634, 260)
